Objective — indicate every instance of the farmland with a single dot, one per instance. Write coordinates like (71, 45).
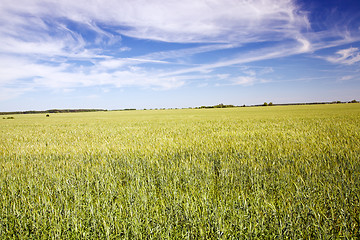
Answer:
(235, 173)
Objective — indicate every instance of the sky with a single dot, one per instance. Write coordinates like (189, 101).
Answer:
(118, 54)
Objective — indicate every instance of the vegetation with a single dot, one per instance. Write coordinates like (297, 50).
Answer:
(54, 111)
(221, 105)
(290, 172)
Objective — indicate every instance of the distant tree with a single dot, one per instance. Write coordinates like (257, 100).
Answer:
(354, 101)
(221, 105)
(270, 103)
(265, 104)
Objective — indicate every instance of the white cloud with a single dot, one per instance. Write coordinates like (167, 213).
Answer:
(247, 76)
(124, 49)
(11, 93)
(122, 62)
(347, 56)
(20, 76)
(175, 21)
(223, 76)
(175, 54)
(41, 41)
(247, 70)
(345, 78)
(266, 70)
(306, 45)
(247, 57)
(244, 80)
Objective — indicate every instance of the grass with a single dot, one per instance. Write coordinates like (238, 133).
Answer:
(285, 172)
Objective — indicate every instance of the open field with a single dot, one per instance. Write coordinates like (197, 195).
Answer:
(236, 173)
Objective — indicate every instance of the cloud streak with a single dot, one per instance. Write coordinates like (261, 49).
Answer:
(347, 56)
(71, 44)
(174, 21)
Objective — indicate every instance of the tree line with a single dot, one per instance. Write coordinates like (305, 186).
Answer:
(53, 111)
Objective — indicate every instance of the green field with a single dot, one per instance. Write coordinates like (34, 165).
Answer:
(236, 173)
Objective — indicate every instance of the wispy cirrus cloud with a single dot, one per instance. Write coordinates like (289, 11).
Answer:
(64, 76)
(175, 21)
(185, 52)
(69, 44)
(48, 38)
(347, 56)
(244, 80)
(247, 57)
(346, 78)
(246, 76)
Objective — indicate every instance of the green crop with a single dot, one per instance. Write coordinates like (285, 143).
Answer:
(287, 172)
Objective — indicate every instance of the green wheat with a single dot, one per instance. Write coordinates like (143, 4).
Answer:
(288, 172)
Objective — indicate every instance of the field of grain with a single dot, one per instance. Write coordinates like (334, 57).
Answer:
(236, 173)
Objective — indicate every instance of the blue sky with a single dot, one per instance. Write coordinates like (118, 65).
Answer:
(167, 54)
